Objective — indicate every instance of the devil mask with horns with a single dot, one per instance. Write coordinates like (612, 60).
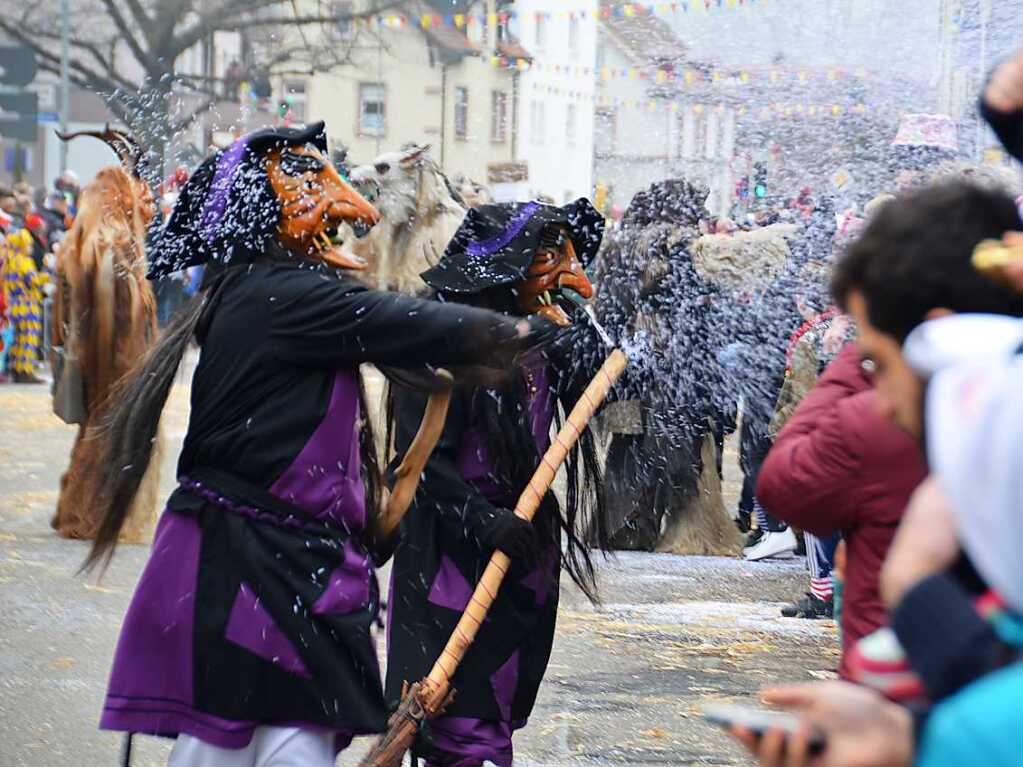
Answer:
(135, 194)
(271, 193)
(535, 251)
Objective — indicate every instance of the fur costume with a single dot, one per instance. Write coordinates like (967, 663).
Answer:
(664, 452)
(105, 316)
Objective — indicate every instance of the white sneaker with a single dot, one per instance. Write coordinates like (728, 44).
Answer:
(780, 545)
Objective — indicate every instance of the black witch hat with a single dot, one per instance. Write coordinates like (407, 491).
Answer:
(227, 212)
(496, 243)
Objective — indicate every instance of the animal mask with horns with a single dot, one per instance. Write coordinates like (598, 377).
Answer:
(132, 193)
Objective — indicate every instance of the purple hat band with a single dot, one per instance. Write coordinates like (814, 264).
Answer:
(498, 241)
(220, 188)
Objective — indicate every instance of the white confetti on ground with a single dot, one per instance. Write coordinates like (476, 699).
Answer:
(740, 617)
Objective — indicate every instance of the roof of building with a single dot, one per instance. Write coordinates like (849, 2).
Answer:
(452, 40)
(511, 48)
(641, 35)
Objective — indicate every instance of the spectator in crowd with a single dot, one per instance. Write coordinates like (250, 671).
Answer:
(23, 285)
(839, 467)
(9, 205)
(57, 212)
(913, 263)
(812, 346)
(69, 184)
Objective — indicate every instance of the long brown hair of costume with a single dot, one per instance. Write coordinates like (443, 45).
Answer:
(102, 281)
(128, 429)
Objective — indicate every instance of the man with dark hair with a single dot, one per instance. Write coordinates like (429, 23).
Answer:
(912, 263)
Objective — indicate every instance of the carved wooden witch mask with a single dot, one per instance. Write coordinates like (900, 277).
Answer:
(555, 267)
(315, 200)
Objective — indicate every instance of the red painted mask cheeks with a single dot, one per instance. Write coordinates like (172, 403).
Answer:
(315, 201)
(555, 267)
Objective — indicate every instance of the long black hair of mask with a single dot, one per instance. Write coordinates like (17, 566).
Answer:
(501, 409)
(127, 429)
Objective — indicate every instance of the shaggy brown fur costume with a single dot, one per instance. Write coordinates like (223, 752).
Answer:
(105, 315)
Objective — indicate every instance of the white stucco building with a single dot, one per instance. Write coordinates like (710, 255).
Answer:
(556, 128)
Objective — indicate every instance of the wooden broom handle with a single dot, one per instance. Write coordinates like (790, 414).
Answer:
(411, 469)
(439, 678)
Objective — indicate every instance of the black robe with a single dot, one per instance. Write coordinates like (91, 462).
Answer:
(440, 558)
(256, 604)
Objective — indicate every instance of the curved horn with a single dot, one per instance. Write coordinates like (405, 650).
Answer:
(125, 147)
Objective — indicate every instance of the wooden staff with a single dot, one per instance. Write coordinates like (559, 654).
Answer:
(428, 697)
(411, 469)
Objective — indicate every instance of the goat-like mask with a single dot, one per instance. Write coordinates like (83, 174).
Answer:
(315, 200)
(555, 267)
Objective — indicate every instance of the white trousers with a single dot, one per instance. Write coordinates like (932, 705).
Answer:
(270, 747)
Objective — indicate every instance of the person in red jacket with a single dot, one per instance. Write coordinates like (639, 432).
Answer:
(839, 467)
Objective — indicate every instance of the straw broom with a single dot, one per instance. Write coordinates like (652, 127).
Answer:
(429, 696)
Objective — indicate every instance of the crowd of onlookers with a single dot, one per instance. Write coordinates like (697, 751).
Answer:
(32, 222)
(884, 431)
(906, 446)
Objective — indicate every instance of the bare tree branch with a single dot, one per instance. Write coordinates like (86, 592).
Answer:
(112, 35)
(141, 18)
(96, 80)
(148, 62)
(85, 84)
(217, 20)
(101, 58)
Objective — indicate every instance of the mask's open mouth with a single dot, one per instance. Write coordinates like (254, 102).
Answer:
(551, 305)
(329, 247)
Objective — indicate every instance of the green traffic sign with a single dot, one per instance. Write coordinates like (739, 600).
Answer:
(17, 65)
(19, 113)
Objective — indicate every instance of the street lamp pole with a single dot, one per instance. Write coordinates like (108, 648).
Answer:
(65, 77)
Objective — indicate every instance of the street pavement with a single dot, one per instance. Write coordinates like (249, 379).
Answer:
(626, 682)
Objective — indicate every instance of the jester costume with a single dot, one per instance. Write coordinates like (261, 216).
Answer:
(515, 258)
(23, 281)
(249, 631)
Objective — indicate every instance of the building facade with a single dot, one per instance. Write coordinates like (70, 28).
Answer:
(556, 114)
(444, 85)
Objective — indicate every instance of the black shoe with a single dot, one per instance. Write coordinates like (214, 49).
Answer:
(27, 378)
(810, 607)
(743, 522)
(753, 538)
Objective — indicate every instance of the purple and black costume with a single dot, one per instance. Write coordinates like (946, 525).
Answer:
(492, 442)
(256, 604)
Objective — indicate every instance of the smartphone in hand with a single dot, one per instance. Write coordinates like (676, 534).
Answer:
(759, 721)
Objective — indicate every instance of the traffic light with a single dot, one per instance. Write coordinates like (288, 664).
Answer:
(760, 180)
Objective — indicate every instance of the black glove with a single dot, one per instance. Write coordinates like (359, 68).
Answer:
(508, 532)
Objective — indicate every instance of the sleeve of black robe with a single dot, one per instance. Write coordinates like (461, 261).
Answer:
(319, 321)
(577, 353)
